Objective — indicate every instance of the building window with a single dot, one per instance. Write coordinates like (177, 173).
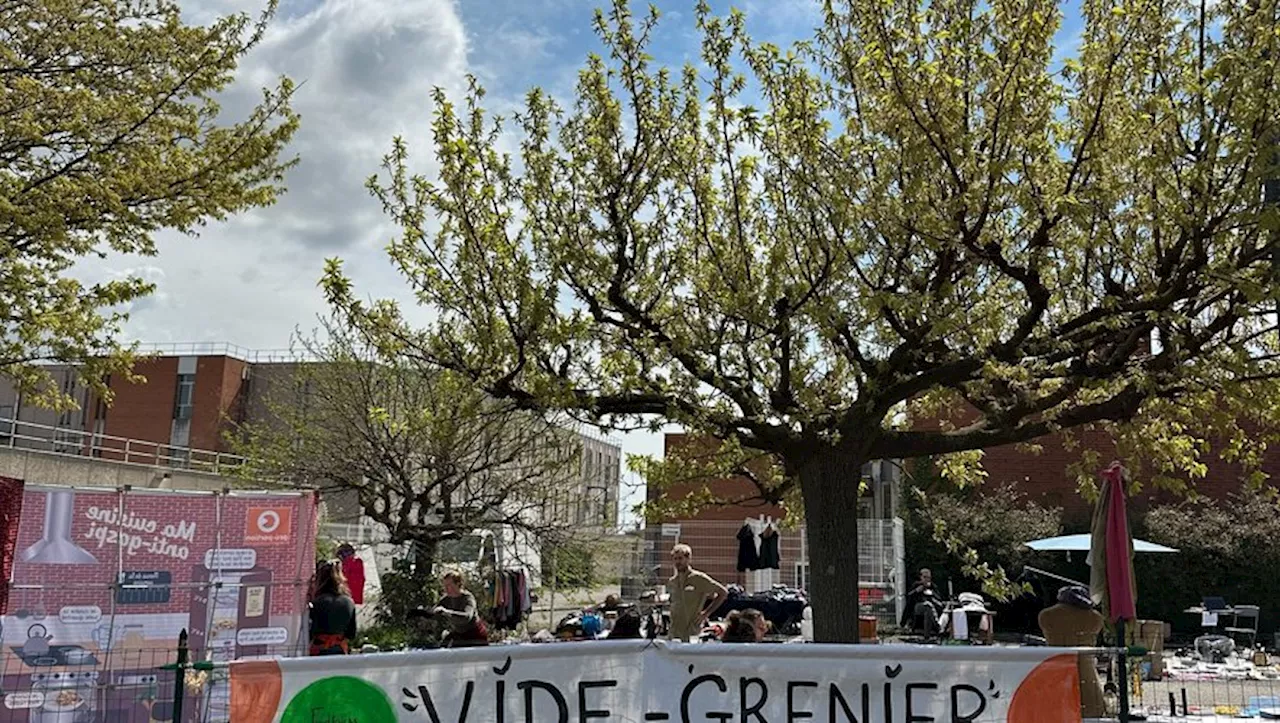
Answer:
(69, 389)
(182, 401)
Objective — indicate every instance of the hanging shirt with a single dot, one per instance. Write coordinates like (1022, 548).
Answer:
(748, 558)
(769, 556)
(353, 570)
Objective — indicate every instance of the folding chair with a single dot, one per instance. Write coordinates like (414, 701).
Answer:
(1244, 622)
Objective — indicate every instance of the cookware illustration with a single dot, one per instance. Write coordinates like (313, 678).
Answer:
(75, 655)
(55, 546)
(37, 643)
(68, 697)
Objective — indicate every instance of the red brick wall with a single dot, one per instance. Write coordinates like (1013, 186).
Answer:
(1043, 477)
(218, 381)
(733, 487)
(145, 410)
(711, 531)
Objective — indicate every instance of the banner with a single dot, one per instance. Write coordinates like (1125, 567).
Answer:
(104, 580)
(647, 681)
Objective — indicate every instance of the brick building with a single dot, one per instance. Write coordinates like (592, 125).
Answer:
(193, 395)
(184, 400)
(1043, 476)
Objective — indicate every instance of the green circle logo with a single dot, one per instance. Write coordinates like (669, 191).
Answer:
(341, 699)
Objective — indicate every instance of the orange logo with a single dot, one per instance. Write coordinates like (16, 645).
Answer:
(269, 525)
(1050, 694)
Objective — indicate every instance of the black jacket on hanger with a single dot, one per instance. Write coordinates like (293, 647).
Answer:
(769, 556)
(748, 558)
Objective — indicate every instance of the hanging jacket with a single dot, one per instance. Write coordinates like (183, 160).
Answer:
(769, 556)
(748, 558)
(353, 570)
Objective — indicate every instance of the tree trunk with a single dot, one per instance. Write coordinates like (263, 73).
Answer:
(424, 558)
(829, 484)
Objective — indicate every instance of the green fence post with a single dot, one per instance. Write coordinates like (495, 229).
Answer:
(179, 676)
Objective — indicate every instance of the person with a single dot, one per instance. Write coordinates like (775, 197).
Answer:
(690, 592)
(745, 626)
(612, 604)
(458, 608)
(353, 571)
(627, 627)
(1074, 622)
(922, 605)
(332, 612)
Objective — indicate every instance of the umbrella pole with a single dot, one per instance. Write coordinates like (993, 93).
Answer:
(1122, 666)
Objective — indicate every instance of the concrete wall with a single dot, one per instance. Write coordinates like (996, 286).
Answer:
(43, 468)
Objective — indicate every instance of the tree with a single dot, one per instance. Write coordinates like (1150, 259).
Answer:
(110, 132)
(425, 454)
(803, 251)
(1227, 546)
(963, 530)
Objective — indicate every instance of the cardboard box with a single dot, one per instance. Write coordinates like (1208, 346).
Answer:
(1151, 666)
(1149, 634)
(867, 627)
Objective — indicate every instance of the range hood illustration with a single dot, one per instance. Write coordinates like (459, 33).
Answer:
(56, 547)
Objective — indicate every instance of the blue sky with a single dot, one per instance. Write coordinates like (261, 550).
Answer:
(366, 68)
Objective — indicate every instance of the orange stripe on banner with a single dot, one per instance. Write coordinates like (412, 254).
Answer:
(1050, 694)
(255, 691)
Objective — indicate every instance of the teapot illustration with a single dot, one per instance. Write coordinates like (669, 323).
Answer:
(38, 638)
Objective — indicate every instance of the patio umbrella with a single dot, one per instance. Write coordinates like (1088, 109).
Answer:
(1084, 543)
(1111, 554)
(1111, 559)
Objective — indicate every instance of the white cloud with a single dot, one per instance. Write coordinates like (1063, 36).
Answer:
(365, 69)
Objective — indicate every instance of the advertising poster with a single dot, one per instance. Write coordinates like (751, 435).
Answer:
(104, 581)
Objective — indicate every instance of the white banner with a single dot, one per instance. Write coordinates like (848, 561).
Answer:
(643, 681)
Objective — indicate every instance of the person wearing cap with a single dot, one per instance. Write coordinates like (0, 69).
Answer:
(1074, 623)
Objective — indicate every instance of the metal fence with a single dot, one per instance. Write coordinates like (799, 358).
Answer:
(17, 434)
(142, 686)
(881, 559)
(120, 668)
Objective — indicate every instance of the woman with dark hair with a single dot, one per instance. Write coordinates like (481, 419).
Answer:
(745, 626)
(333, 612)
(458, 608)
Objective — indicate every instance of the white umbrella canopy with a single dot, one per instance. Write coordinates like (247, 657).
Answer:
(1081, 543)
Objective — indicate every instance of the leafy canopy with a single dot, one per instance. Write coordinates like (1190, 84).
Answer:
(109, 132)
(917, 207)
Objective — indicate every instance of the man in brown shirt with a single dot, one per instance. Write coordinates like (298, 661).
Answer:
(690, 591)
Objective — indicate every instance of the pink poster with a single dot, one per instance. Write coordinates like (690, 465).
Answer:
(104, 581)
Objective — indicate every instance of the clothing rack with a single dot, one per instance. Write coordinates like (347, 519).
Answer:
(512, 597)
(762, 566)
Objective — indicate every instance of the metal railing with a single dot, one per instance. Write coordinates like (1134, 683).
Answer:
(222, 348)
(17, 434)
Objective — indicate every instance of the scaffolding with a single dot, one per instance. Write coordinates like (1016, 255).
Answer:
(103, 581)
